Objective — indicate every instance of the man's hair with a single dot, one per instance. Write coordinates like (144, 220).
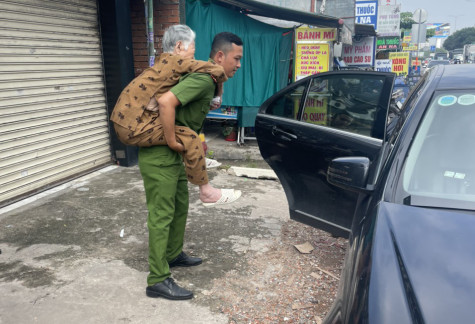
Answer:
(223, 42)
(177, 33)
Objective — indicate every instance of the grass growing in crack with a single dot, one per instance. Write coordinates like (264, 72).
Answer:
(224, 167)
(251, 164)
(210, 154)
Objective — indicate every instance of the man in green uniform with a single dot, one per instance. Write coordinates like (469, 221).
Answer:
(163, 173)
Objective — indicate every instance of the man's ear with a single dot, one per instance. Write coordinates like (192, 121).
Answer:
(219, 57)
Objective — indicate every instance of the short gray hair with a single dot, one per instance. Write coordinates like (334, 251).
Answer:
(177, 33)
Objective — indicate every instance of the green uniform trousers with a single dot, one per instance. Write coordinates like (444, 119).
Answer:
(166, 191)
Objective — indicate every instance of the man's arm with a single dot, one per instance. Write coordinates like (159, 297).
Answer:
(167, 104)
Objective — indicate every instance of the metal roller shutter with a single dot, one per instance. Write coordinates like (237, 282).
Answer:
(53, 115)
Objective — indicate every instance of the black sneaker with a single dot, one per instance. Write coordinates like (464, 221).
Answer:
(183, 260)
(168, 289)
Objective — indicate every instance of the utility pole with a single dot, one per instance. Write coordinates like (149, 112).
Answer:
(455, 25)
(148, 4)
(420, 17)
(455, 19)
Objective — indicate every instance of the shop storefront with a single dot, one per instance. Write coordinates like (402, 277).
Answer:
(53, 115)
(268, 64)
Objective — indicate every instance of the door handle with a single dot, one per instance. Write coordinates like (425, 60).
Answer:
(283, 134)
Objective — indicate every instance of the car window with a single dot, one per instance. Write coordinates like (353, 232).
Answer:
(288, 103)
(346, 102)
(315, 109)
(441, 161)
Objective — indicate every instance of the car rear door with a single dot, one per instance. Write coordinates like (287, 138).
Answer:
(301, 129)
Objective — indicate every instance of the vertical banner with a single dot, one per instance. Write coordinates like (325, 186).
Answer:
(312, 51)
(311, 59)
(389, 18)
(400, 62)
(360, 53)
(366, 12)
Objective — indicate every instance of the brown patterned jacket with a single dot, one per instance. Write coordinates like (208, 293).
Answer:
(129, 111)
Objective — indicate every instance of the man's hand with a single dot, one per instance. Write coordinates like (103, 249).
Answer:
(218, 98)
(167, 104)
(215, 103)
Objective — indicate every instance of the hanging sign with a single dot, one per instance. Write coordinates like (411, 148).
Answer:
(366, 12)
(360, 53)
(383, 65)
(387, 43)
(311, 59)
(409, 48)
(400, 62)
(312, 50)
(389, 18)
(310, 35)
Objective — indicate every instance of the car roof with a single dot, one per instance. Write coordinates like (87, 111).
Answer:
(457, 76)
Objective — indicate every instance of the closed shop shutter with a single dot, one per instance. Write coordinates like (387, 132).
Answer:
(53, 115)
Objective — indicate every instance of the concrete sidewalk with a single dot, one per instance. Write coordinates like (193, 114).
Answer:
(224, 150)
(63, 258)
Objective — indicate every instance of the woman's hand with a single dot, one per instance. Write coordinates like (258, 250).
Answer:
(176, 146)
(152, 105)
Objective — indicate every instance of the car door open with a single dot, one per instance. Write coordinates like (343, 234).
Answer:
(301, 129)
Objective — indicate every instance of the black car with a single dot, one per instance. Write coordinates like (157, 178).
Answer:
(401, 187)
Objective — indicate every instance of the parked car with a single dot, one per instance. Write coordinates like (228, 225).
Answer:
(402, 189)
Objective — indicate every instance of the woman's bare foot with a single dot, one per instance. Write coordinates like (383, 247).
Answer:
(209, 194)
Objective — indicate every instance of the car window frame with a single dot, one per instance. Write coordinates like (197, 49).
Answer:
(266, 105)
(379, 121)
(409, 104)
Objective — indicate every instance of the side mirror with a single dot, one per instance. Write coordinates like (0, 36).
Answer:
(349, 173)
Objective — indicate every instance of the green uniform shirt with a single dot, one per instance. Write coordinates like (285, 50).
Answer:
(195, 92)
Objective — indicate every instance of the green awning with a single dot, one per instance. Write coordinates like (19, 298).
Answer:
(265, 64)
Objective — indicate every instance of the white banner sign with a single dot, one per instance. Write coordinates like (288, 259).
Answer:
(383, 65)
(388, 20)
(360, 53)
